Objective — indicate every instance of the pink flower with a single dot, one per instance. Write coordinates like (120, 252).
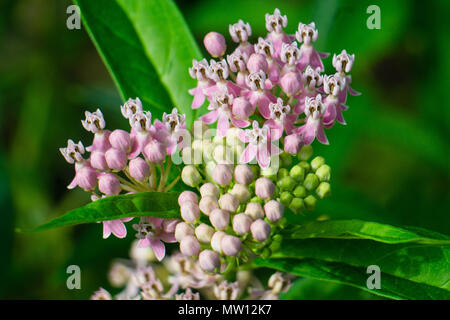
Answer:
(198, 71)
(274, 24)
(260, 145)
(314, 126)
(95, 123)
(265, 47)
(172, 131)
(239, 33)
(221, 112)
(116, 227)
(237, 62)
(131, 107)
(152, 232)
(218, 72)
(258, 95)
(290, 55)
(313, 80)
(306, 34)
(280, 119)
(333, 85)
(141, 132)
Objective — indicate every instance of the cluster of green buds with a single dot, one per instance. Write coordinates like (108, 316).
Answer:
(300, 185)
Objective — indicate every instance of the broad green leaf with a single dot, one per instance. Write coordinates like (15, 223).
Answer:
(420, 263)
(391, 286)
(358, 229)
(147, 47)
(155, 204)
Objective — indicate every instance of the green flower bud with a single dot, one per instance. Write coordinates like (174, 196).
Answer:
(285, 160)
(190, 176)
(286, 184)
(317, 162)
(324, 172)
(283, 172)
(323, 190)
(310, 202)
(311, 181)
(286, 198)
(297, 205)
(298, 173)
(270, 173)
(305, 165)
(299, 192)
(305, 153)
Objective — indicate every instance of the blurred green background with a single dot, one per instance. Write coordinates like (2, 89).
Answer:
(390, 163)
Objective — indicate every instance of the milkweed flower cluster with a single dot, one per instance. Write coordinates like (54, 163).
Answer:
(246, 163)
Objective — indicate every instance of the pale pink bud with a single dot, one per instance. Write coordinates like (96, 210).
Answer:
(209, 260)
(257, 62)
(241, 192)
(154, 152)
(254, 210)
(98, 161)
(230, 245)
(216, 240)
(274, 210)
(204, 233)
(116, 159)
(209, 189)
(229, 202)
(291, 83)
(139, 169)
(190, 211)
(219, 219)
(182, 230)
(189, 246)
(264, 188)
(187, 196)
(120, 139)
(243, 174)
(242, 109)
(215, 44)
(208, 204)
(292, 143)
(221, 174)
(260, 230)
(86, 178)
(109, 184)
(241, 223)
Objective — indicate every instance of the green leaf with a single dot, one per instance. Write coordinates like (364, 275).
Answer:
(358, 229)
(154, 204)
(391, 286)
(147, 47)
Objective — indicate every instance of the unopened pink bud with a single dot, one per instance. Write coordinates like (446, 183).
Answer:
(182, 230)
(209, 260)
(154, 152)
(215, 44)
(209, 189)
(204, 233)
(98, 161)
(241, 223)
(260, 230)
(189, 246)
(292, 143)
(190, 211)
(257, 62)
(116, 159)
(208, 204)
(219, 219)
(264, 188)
(229, 202)
(109, 184)
(254, 210)
(216, 240)
(221, 174)
(120, 139)
(274, 210)
(291, 83)
(242, 108)
(231, 245)
(86, 178)
(243, 174)
(187, 196)
(139, 169)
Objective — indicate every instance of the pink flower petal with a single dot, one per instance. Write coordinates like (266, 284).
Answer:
(276, 129)
(158, 248)
(321, 136)
(239, 123)
(243, 136)
(223, 124)
(263, 156)
(249, 153)
(106, 230)
(144, 243)
(210, 117)
(199, 99)
(117, 228)
(315, 60)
